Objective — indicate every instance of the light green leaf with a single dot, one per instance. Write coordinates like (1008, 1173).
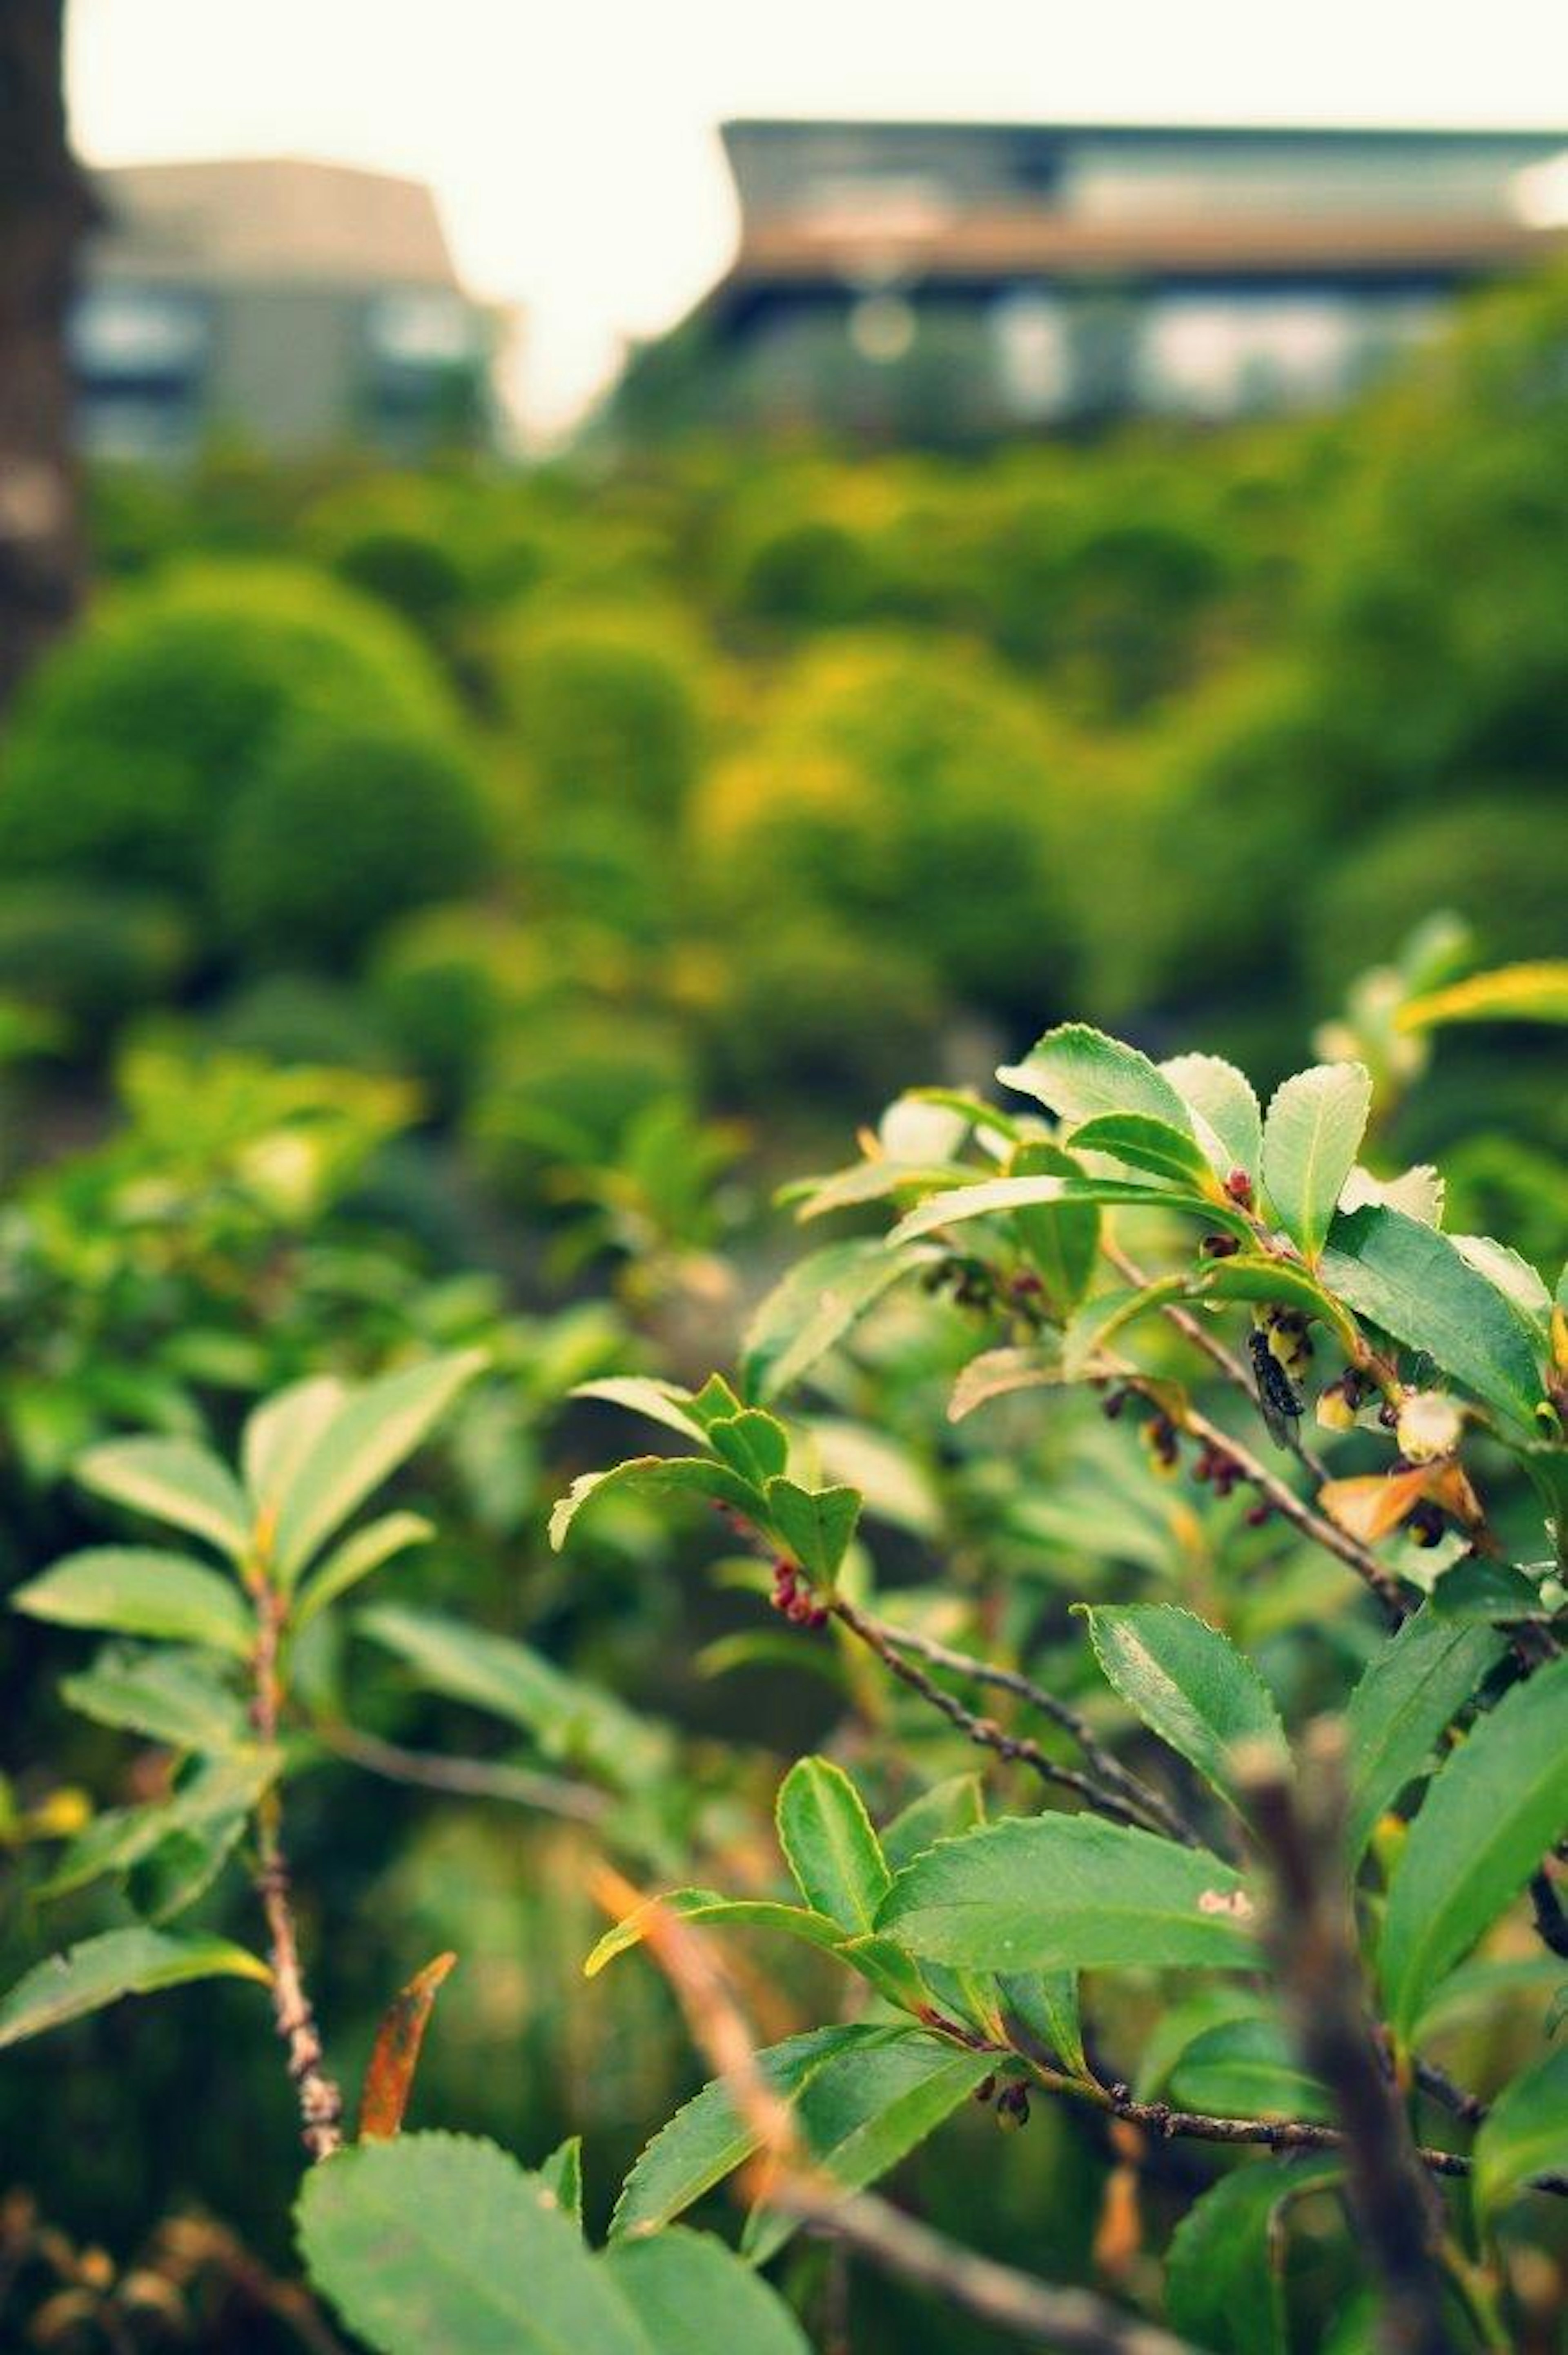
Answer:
(991, 1197)
(657, 1476)
(1047, 2002)
(707, 2139)
(355, 1560)
(955, 1805)
(660, 1401)
(1253, 1276)
(1525, 2135)
(756, 1444)
(569, 1719)
(1405, 1702)
(172, 1697)
(1310, 1140)
(1069, 1893)
(1077, 1072)
(1226, 1117)
(692, 2296)
(1189, 1684)
(1096, 1324)
(829, 1845)
(1223, 2285)
(815, 1524)
(100, 1971)
(136, 1591)
(1512, 993)
(172, 1480)
(873, 1180)
(821, 1300)
(440, 2241)
(1498, 1805)
(1414, 1283)
(999, 1373)
(375, 1429)
(1419, 1192)
(1514, 1277)
(708, 1905)
(1144, 1144)
(861, 2113)
(282, 1432)
(562, 2174)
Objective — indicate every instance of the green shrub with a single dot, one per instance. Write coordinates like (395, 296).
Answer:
(343, 830)
(608, 707)
(301, 1018)
(447, 981)
(569, 1085)
(812, 1014)
(128, 747)
(88, 953)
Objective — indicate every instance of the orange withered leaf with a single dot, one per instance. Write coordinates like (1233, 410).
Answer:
(390, 2077)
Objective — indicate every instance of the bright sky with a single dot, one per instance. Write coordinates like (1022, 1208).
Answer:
(572, 147)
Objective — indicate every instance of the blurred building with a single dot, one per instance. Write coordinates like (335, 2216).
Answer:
(981, 278)
(291, 306)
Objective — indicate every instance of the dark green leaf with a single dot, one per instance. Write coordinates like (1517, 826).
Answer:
(1189, 1684)
(811, 1310)
(955, 1805)
(1142, 1142)
(1222, 2280)
(1525, 2135)
(1403, 1704)
(120, 1962)
(1412, 1282)
(1244, 2069)
(1061, 1239)
(708, 1905)
(173, 1697)
(828, 1844)
(657, 1476)
(693, 2296)
(815, 1524)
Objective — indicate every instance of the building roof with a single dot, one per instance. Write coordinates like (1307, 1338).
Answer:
(271, 218)
(1202, 134)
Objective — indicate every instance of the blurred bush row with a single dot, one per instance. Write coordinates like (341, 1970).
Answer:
(745, 772)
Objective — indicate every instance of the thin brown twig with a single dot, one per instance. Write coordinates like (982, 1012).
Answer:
(1107, 1766)
(319, 2095)
(988, 1735)
(466, 1778)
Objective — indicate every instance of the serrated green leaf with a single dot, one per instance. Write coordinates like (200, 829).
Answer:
(756, 1444)
(712, 1907)
(1524, 2135)
(1416, 1285)
(174, 1481)
(1226, 1116)
(817, 1304)
(876, 1179)
(657, 1476)
(1246, 2068)
(660, 1401)
(991, 1198)
(1490, 1815)
(1310, 1139)
(948, 1808)
(442, 2241)
(829, 1845)
(137, 1591)
(1189, 1684)
(1487, 1590)
(1506, 1272)
(1077, 1073)
(376, 1428)
(861, 2113)
(708, 2139)
(1047, 2002)
(1408, 1698)
(692, 2296)
(172, 1697)
(999, 1373)
(1069, 1893)
(1419, 1192)
(1252, 1276)
(355, 1559)
(815, 1524)
(1142, 1142)
(1222, 2287)
(101, 1970)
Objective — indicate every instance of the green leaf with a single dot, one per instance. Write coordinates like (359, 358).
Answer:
(374, 1430)
(562, 2174)
(442, 2241)
(991, 1197)
(861, 2113)
(1226, 1116)
(1144, 1144)
(955, 1805)
(136, 1591)
(657, 1476)
(1061, 1239)
(282, 1433)
(829, 1845)
(569, 1721)
(121, 1962)
(1419, 1192)
(874, 1179)
(815, 1524)
(1223, 2285)
(1068, 1893)
(708, 1905)
(660, 1401)
(172, 1480)
(1488, 1591)
(1498, 1805)
(1246, 2068)
(821, 1300)
(172, 1697)
(1513, 993)
(1189, 1684)
(217, 1790)
(1099, 1320)
(1310, 1140)
(1077, 1072)
(355, 1559)
(756, 1444)
(1506, 1272)
(999, 1373)
(693, 2296)
(1413, 1282)
(167, 1881)
(1249, 1277)
(1047, 2002)
(1525, 2135)
(1402, 1705)
(707, 2139)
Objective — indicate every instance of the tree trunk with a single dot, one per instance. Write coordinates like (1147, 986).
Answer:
(45, 206)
